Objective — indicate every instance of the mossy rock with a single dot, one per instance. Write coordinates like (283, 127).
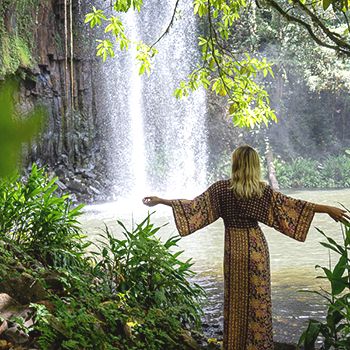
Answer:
(24, 288)
(15, 54)
(17, 32)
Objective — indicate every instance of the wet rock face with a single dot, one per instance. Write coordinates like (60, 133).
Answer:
(70, 145)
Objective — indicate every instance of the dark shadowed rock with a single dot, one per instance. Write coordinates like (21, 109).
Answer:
(76, 186)
(3, 326)
(10, 309)
(24, 288)
(16, 335)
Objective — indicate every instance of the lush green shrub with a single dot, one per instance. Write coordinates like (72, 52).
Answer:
(335, 330)
(144, 268)
(309, 173)
(129, 293)
(336, 171)
(136, 296)
(44, 224)
(298, 173)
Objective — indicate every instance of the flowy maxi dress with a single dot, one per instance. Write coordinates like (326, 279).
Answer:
(247, 289)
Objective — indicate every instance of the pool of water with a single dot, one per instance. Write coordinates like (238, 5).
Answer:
(292, 262)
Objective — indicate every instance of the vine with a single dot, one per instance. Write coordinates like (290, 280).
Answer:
(71, 53)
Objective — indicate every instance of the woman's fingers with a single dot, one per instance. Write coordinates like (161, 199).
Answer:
(345, 216)
(149, 201)
(146, 200)
(341, 215)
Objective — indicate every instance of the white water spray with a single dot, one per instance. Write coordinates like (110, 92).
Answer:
(158, 144)
(135, 106)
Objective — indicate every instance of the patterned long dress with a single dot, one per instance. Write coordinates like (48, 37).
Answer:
(247, 289)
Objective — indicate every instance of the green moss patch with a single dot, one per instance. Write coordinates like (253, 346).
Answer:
(16, 45)
(15, 53)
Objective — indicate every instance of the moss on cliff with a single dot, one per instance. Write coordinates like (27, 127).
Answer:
(15, 53)
(17, 31)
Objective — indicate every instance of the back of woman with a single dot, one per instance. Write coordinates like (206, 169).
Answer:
(243, 201)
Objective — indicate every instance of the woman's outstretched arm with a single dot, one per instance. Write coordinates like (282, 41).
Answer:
(192, 215)
(335, 213)
(151, 201)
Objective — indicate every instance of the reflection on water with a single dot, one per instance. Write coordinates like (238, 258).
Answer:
(292, 262)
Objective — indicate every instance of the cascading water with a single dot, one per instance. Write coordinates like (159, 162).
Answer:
(158, 144)
(135, 107)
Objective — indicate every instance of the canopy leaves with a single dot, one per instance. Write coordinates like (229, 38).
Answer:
(225, 67)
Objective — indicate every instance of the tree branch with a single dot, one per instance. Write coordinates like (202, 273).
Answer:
(346, 20)
(213, 33)
(169, 25)
(331, 35)
(339, 47)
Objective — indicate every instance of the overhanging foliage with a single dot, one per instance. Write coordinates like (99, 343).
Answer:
(224, 67)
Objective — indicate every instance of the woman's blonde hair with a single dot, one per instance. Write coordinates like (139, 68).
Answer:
(246, 172)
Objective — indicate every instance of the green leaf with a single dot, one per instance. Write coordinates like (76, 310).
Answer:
(326, 4)
(15, 130)
(310, 335)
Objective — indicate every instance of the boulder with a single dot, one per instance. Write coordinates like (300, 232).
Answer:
(8, 306)
(3, 327)
(53, 280)
(16, 335)
(24, 288)
(10, 310)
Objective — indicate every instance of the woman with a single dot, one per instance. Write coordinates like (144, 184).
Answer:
(242, 202)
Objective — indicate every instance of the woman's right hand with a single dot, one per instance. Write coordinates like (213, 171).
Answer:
(151, 201)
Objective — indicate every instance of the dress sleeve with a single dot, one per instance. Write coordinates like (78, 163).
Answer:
(290, 216)
(192, 215)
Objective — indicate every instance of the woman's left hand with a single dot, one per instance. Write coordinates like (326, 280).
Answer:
(338, 214)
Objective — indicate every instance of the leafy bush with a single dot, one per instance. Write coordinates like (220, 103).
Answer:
(130, 293)
(144, 268)
(44, 224)
(336, 171)
(309, 173)
(136, 296)
(298, 173)
(335, 330)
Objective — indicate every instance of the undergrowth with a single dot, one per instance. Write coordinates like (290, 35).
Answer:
(129, 292)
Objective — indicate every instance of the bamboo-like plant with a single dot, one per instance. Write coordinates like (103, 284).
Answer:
(335, 330)
(148, 272)
(43, 223)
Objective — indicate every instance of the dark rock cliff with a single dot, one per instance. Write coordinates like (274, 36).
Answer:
(49, 75)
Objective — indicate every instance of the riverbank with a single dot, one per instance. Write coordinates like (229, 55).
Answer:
(72, 307)
(36, 309)
(57, 292)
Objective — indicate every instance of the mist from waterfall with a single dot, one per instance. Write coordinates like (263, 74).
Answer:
(157, 144)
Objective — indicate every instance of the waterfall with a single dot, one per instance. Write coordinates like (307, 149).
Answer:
(135, 107)
(157, 143)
